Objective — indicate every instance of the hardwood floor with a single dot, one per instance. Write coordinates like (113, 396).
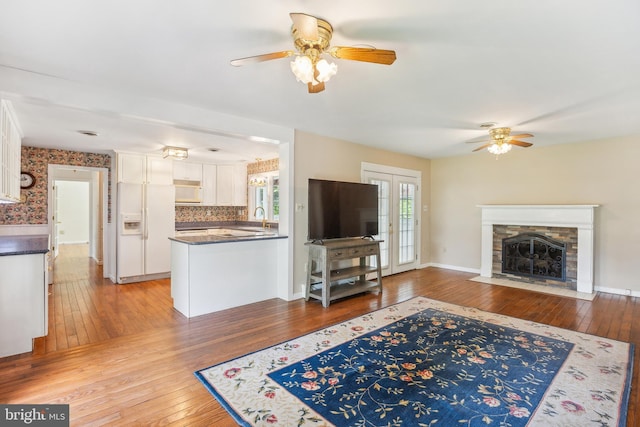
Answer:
(120, 354)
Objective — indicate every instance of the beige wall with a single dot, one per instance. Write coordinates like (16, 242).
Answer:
(599, 172)
(326, 158)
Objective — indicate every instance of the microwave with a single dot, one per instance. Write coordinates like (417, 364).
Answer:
(188, 191)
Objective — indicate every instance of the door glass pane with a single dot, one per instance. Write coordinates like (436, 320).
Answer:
(406, 225)
(383, 221)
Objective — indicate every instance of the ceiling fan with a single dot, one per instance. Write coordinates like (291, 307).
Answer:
(501, 141)
(312, 39)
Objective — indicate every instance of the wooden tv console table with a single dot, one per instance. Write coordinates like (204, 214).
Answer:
(328, 281)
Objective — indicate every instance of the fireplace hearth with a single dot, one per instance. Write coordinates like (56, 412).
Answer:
(534, 255)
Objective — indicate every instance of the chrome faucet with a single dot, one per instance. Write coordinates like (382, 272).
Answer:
(264, 216)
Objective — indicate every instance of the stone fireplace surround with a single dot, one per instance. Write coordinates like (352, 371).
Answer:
(578, 216)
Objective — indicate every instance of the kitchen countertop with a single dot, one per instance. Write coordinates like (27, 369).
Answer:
(226, 234)
(24, 245)
(206, 240)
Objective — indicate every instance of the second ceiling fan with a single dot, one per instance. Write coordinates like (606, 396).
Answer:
(312, 39)
(501, 141)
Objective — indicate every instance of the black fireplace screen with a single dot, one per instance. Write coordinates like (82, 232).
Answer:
(534, 255)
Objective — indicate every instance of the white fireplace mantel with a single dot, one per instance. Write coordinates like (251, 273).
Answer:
(578, 216)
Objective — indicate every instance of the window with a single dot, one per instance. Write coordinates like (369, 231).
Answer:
(264, 192)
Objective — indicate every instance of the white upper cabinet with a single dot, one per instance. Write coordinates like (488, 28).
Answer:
(187, 171)
(10, 142)
(131, 168)
(209, 187)
(224, 185)
(159, 170)
(217, 185)
(231, 185)
(240, 185)
(141, 169)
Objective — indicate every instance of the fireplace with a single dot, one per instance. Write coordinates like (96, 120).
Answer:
(571, 225)
(534, 255)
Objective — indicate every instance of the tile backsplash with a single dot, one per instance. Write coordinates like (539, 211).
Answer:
(210, 213)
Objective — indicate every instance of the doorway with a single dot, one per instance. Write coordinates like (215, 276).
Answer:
(77, 204)
(398, 225)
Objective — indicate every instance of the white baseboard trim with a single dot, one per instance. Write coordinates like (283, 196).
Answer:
(617, 291)
(454, 267)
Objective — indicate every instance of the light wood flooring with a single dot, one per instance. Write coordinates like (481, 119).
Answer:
(120, 354)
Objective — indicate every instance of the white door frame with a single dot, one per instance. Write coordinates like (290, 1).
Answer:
(104, 172)
(396, 171)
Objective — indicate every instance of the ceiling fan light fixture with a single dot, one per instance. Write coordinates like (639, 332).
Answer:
(326, 70)
(498, 148)
(302, 68)
(306, 72)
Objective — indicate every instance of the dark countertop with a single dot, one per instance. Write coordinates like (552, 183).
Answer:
(24, 245)
(207, 240)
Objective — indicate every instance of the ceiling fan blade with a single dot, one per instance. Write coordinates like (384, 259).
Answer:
(364, 54)
(522, 135)
(476, 142)
(482, 147)
(305, 26)
(315, 88)
(520, 143)
(261, 58)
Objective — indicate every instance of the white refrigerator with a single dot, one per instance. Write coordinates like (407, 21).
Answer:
(146, 220)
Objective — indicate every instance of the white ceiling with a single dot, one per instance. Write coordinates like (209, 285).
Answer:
(148, 73)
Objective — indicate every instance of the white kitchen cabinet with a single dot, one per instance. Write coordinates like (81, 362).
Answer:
(224, 185)
(159, 171)
(10, 141)
(23, 301)
(131, 168)
(240, 185)
(141, 169)
(209, 190)
(231, 185)
(187, 171)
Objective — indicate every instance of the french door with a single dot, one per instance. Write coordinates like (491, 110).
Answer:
(398, 225)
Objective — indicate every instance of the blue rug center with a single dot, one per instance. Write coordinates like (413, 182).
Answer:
(431, 368)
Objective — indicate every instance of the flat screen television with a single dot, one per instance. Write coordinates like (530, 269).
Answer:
(339, 210)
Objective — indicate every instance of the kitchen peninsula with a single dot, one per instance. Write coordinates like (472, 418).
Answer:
(223, 267)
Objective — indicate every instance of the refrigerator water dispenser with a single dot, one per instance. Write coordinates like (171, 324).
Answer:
(131, 224)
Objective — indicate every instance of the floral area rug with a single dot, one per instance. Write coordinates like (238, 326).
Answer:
(428, 363)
